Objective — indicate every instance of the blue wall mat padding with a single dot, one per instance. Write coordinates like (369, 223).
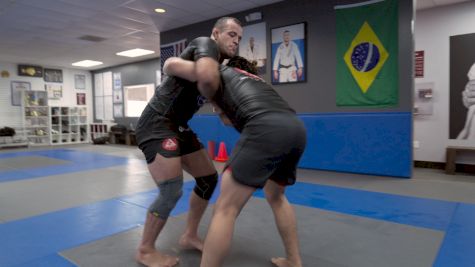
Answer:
(369, 143)
(210, 128)
(78, 161)
(459, 239)
(419, 212)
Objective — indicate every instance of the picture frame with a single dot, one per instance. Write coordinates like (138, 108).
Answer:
(53, 75)
(54, 91)
(254, 45)
(80, 81)
(30, 71)
(17, 87)
(288, 52)
(81, 99)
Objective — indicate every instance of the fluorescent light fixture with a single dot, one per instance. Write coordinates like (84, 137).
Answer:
(87, 63)
(160, 10)
(137, 52)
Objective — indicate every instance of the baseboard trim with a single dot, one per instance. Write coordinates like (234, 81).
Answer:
(466, 168)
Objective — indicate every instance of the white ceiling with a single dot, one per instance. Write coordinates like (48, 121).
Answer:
(425, 4)
(46, 32)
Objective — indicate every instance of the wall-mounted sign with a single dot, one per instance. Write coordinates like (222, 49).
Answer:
(419, 64)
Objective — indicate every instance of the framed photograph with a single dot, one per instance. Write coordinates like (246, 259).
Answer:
(118, 111)
(17, 88)
(30, 71)
(80, 81)
(55, 91)
(117, 97)
(254, 46)
(288, 54)
(81, 99)
(53, 76)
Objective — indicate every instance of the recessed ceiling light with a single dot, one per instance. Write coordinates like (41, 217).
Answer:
(87, 63)
(160, 10)
(137, 52)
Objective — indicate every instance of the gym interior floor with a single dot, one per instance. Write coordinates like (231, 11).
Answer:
(85, 206)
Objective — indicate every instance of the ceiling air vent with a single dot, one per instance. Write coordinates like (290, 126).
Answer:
(92, 38)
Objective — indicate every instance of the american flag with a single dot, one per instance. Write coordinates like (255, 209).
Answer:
(171, 50)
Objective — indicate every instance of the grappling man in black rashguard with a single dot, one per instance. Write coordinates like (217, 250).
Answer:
(266, 156)
(170, 146)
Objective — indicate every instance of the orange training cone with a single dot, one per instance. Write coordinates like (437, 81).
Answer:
(222, 153)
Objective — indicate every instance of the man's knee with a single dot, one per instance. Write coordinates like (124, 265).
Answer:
(170, 192)
(274, 193)
(206, 185)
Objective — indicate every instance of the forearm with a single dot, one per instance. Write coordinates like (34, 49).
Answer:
(207, 75)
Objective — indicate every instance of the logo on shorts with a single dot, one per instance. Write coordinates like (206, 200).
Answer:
(170, 144)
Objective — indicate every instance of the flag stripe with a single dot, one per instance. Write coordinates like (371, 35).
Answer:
(171, 50)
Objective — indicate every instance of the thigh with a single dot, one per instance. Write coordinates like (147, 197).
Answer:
(198, 163)
(163, 168)
(233, 195)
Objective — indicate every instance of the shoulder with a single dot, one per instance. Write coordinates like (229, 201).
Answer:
(206, 41)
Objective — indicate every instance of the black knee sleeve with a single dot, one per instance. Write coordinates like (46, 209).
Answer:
(205, 185)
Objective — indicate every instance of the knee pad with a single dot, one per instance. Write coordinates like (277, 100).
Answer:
(205, 186)
(170, 193)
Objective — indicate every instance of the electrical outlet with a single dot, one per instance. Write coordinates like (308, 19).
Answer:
(416, 144)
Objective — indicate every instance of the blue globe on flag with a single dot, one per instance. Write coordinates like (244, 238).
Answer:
(365, 57)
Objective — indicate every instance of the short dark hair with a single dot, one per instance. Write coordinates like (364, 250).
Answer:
(243, 64)
(223, 20)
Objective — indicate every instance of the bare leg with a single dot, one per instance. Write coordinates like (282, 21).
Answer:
(197, 164)
(190, 238)
(230, 203)
(286, 224)
(146, 253)
(161, 170)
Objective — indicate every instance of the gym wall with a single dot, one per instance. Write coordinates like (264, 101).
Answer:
(359, 140)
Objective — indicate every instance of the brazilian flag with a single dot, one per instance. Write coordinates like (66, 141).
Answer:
(367, 54)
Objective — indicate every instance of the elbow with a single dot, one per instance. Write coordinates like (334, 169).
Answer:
(168, 66)
(208, 83)
(208, 88)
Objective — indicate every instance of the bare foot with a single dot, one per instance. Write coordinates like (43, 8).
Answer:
(283, 262)
(154, 258)
(191, 242)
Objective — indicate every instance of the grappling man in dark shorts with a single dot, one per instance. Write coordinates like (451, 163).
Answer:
(266, 156)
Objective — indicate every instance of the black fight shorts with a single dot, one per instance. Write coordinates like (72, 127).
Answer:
(158, 134)
(270, 147)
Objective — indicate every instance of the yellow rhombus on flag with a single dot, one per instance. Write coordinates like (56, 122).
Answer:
(365, 57)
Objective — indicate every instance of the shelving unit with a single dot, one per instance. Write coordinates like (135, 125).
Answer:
(68, 125)
(36, 117)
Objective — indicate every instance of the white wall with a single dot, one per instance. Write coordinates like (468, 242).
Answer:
(11, 115)
(433, 28)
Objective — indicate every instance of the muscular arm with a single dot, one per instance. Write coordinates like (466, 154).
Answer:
(205, 71)
(207, 76)
(179, 67)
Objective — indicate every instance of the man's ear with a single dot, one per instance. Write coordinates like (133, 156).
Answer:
(215, 34)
